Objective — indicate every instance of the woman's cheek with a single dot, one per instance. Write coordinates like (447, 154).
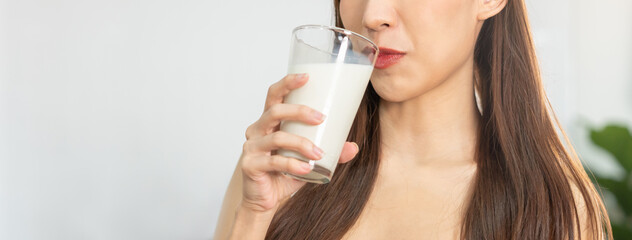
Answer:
(351, 20)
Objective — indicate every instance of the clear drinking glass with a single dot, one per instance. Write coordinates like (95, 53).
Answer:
(339, 63)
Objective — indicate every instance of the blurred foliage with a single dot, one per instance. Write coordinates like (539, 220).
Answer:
(617, 141)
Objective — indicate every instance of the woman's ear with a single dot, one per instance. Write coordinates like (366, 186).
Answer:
(489, 8)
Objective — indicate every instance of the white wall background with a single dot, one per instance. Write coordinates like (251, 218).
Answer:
(585, 51)
(124, 119)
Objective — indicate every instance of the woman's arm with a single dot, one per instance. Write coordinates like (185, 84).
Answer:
(236, 222)
(230, 205)
(250, 224)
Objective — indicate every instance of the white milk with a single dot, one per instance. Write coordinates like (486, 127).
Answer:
(335, 90)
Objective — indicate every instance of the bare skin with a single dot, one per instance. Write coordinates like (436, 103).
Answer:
(427, 165)
(428, 116)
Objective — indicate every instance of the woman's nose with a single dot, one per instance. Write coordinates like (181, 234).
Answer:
(379, 15)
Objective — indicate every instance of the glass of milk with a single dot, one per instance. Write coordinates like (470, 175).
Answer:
(339, 63)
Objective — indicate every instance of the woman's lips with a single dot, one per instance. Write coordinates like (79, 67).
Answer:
(388, 57)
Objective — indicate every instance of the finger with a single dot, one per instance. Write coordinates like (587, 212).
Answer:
(349, 151)
(281, 112)
(280, 89)
(278, 163)
(284, 140)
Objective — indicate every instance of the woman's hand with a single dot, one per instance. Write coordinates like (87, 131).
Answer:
(264, 185)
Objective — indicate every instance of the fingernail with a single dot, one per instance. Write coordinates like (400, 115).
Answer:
(356, 147)
(306, 166)
(319, 116)
(301, 76)
(319, 152)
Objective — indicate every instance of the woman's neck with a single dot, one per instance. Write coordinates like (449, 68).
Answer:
(436, 129)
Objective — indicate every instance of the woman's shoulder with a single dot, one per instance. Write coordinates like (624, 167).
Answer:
(585, 196)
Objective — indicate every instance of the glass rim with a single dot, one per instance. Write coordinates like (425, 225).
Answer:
(337, 29)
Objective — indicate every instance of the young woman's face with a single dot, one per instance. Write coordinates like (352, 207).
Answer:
(438, 37)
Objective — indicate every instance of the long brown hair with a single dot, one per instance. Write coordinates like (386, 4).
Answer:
(526, 182)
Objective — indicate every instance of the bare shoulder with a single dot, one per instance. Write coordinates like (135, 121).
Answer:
(232, 197)
(587, 229)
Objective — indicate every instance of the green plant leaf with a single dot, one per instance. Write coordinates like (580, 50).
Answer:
(620, 232)
(617, 140)
(609, 184)
(621, 191)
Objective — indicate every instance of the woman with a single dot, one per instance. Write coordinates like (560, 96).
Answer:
(433, 161)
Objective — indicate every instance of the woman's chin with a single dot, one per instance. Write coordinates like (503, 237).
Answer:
(390, 94)
(390, 90)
